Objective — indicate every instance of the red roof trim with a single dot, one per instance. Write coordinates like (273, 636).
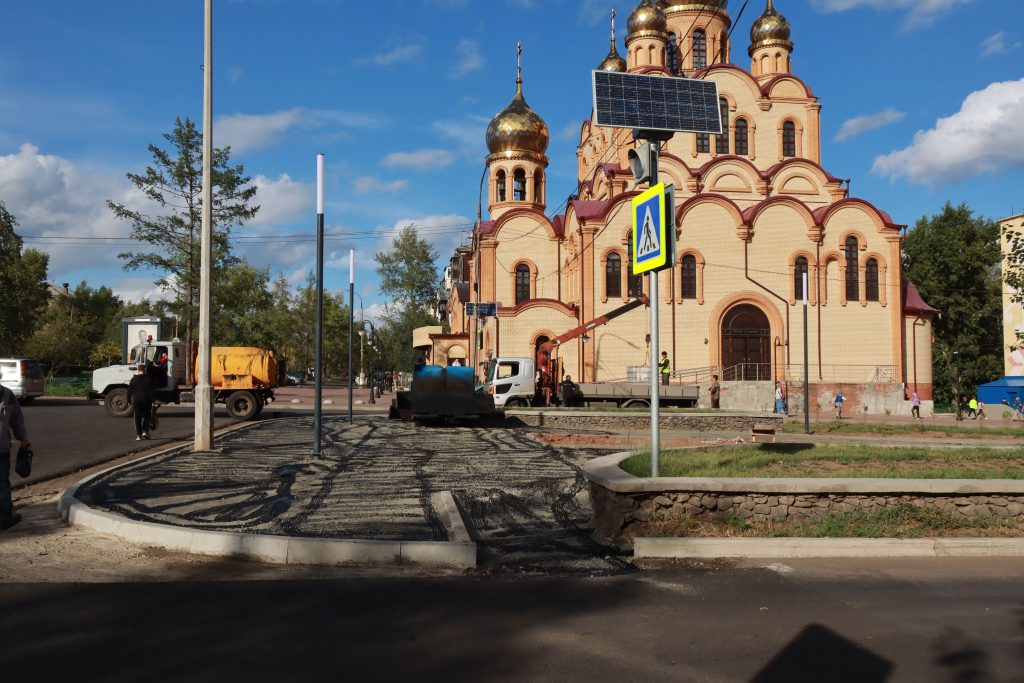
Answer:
(774, 170)
(822, 214)
(508, 311)
(913, 302)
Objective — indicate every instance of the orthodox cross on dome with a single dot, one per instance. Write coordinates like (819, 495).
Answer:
(613, 27)
(519, 62)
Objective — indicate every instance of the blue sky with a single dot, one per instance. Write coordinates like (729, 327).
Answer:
(923, 102)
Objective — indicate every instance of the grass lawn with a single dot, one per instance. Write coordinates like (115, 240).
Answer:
(852, 426)
(808, 460)
(904, 521)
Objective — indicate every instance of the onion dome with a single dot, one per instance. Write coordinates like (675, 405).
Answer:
(770, 30)
(613, 61)
(712, 6)
(647, 18)
(517, 129)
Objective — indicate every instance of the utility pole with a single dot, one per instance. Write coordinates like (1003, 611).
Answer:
(807, 381)
(203, 390)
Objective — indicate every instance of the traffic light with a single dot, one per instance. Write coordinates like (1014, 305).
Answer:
(642, 161)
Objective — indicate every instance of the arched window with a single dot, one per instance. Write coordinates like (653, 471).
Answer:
(703, 143)
(634, 283)
(672, 54)
(742, 143)
(688, 277)
(852, 272)
(871, 280)
(522, 283)
(700, 49)
(519, 185)
(613, 276)
(538, 187)
(798, 277)
(501, 186)
(788, 139)
(722, 141)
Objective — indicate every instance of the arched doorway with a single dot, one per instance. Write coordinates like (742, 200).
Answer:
(746, 344)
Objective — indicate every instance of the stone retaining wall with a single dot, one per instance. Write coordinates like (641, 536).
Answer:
(696, 422)
(622, 503)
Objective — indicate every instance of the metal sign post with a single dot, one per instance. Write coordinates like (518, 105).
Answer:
(807, 383)
(351, 321)
(318, 391)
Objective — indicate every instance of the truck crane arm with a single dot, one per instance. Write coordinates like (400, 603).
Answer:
(548, 347)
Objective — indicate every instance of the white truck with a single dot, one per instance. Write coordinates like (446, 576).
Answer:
(243, 378)
(513, 383)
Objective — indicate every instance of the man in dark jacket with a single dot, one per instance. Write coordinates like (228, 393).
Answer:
(11, 420)
(140, 398)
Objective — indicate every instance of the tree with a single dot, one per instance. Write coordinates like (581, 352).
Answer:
(74, 324)
(22, 284)
(409, 278)
(953, 258)
(242, 304)
(174, 183)
(407, 272)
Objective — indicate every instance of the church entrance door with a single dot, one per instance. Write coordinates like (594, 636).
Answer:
(746, 344)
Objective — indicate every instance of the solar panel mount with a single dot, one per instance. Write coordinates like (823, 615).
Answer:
(656, 103)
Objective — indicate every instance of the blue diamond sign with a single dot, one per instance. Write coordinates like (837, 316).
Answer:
(652, 231)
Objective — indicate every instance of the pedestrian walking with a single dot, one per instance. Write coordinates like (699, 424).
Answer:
(140, 398)
(665, 368)
(714, 391)
(12, 422)
(780, 399)
(915, 406)
(838, 403)
(981, 409)
(972, 409)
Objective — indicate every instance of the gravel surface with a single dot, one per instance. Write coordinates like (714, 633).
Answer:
(526, 501)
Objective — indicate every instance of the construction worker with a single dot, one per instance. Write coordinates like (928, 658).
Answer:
(665, 368)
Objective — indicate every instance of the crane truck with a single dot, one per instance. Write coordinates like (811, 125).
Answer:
(517, 382)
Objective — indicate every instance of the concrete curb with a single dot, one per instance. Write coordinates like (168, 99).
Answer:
(780, 548)
(460, 552)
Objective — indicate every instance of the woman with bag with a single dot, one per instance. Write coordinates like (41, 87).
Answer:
(11, 420)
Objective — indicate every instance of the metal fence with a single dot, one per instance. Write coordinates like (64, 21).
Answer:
(793, 372)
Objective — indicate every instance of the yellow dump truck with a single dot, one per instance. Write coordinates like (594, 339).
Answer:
(243, 377)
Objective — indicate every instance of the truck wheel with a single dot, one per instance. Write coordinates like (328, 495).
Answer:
(640, 403)
(243, 405)
(515, 403)
(116, 403)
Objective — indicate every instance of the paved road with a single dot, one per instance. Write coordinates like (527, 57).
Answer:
(888, 622)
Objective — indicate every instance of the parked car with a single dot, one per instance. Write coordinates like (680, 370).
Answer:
(294, 378)
(23, 376)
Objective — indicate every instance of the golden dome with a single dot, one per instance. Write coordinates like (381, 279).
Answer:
(712, 6)
(517, 129)
(771, 29)
(613, 61)
(647, 17)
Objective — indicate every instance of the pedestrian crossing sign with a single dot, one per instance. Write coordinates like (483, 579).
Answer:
(652, 231)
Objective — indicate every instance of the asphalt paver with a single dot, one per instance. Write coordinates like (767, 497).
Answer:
(525, 502)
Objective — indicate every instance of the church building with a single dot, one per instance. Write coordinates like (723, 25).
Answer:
(755, 210)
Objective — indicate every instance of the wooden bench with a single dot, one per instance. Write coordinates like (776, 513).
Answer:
(762, 429)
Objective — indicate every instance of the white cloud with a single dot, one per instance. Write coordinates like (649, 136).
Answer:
(367, 184)
(444, 233)
(245, 132)
(919, 12)
(282, 201)
(421, 159)
(235, 73)
(851, 128)
(469, 134)
(983, 137)
(402, 53)
(996, 45)
(469, 58)
(571, 131)
(53, 197)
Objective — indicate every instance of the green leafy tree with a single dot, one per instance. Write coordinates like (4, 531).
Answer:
(953, 258)
(74, 324)
(22, 284)
(407, 272)
(174, 184)
(242, 306)
(409, 278)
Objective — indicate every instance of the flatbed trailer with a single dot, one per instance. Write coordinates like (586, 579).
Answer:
(633, 394)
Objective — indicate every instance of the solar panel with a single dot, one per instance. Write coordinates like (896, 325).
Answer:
(623, 100)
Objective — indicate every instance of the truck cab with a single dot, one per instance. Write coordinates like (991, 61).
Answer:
(111, 383)
(512, 382)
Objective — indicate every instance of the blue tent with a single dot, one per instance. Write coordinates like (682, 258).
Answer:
(1007, 388)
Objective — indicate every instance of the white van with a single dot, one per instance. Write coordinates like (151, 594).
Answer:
(23, 376)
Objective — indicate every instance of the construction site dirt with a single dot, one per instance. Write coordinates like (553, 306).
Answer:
(524, 500)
